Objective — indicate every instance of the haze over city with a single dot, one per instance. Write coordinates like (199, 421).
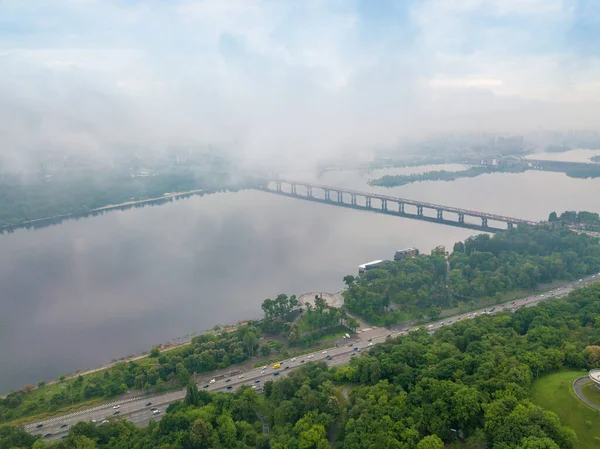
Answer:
(290, 79)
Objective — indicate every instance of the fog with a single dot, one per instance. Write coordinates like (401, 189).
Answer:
(293, 81)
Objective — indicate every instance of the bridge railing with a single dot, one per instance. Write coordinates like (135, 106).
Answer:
(452, 209)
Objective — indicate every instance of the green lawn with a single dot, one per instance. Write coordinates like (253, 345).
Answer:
(591, 393)
(554, 392)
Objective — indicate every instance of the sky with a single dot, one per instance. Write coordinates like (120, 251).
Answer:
(290, 79)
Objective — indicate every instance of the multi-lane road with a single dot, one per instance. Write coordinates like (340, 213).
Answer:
(140, 409)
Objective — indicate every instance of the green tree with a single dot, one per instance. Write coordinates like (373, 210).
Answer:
(154, 352)
(431, 442)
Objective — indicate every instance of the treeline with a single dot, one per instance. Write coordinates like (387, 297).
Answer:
(478, 268)
(438, 175)
(158, 372)
(469, 381)
(78, 193)
(591, 171)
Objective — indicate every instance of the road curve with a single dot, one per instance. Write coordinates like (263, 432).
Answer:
(578, 386)
(138, 409)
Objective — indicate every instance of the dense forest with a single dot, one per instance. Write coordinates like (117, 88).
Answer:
(481, 267)
(77, 193)
(469, 381)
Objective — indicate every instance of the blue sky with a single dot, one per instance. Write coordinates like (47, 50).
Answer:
(88, 73)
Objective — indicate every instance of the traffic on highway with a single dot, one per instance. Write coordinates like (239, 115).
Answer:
(140, 410)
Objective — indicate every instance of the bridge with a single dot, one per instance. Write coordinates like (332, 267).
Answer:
(383, 204)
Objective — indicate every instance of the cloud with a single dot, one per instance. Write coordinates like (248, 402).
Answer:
(293, 80)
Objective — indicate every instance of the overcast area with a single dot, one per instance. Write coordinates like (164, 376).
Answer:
(290, 78)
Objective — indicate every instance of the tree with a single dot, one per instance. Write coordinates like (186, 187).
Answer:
(431, 442)
(349, 279)
(593, 355)
(191, 395)
(200, 434)
(552, 217)
(154, 352)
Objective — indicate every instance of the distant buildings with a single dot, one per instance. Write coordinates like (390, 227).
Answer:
(370, 265)
(406, 253)
(439, 250)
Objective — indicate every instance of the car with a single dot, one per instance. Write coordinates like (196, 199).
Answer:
(116, 406)
(492, 309)
(287, 367)
(48, 435)
(469, 315)
(350, 345)
(241, 376)
(293, 360)
(352, 355)
(310, 356)
(276, 373)
(93, 421)
(580, 280)
(212, 381)
(254, 387)
(370, 339)
(64, 436)
(117, 412)
(370, 344)
(542, 296)
(153, 408)
(449, 321)
(301, 361)
(324, 352)
(264, 367)
(356, 348)
(227, 380)
(40, 425)
(156, 412)
(229, 387)
(458, 319)
(430, 326)
(205, 386)
(105, 421)
(148, 404)
(257, 381)
(63, 426)
(262, 372)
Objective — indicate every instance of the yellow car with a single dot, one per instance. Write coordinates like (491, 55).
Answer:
(277, 366)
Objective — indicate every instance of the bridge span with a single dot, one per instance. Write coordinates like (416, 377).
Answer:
(364, 201)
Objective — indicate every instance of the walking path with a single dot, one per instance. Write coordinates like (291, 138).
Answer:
(578, 387)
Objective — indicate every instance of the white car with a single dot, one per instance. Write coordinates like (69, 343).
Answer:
(93, 420)
(264, 367)
(116, 407)
(310, 356)
(430, 326)
(324, 352)
(370, 344)
(156, 412)
(262, 372)
(212, 381)
(241, 376)
(469, 315)
(105, 421)
(293, 360)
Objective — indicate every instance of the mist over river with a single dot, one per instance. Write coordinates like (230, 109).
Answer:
(76, 295)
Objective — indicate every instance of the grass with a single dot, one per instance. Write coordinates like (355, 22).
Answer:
(554, 392)
(591, 393)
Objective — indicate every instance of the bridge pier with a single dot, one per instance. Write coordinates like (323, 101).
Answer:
(484, 222)
(420, 211)
(510, 225)
(461, 218)
(383, 204)
(309, 191)
(440, 214)
(327, 194)
(353, 199)
(340, 197)
(293, 189)
(278, 185)
(368, 201)
(401, 208)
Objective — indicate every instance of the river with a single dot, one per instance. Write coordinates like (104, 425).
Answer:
(79, 294)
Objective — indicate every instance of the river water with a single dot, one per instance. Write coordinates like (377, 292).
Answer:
(76, 295)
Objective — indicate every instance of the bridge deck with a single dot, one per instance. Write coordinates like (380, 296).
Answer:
(456, 210)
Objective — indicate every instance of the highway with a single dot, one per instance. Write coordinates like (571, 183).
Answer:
(139, 412)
